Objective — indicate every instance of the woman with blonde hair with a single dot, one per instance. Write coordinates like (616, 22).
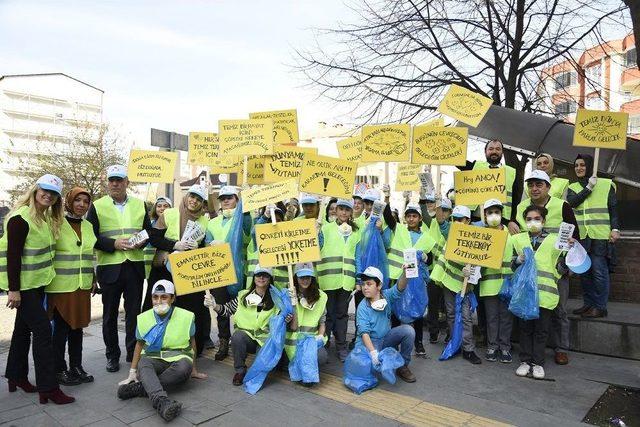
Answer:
(26, 267)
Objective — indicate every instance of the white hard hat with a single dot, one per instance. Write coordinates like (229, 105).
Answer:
(372, 272)
(116, 171)
(539, 175)
(51, 183)
(461, 211)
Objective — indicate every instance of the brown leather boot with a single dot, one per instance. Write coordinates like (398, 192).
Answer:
(405, 374)
(581, 309)
(593, 313)
(561, 358)
(223, 349)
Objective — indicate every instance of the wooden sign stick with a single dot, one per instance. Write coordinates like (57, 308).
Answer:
(596, 159)
(463, 291)
(437, 183)
(292, 289)
(245, 171)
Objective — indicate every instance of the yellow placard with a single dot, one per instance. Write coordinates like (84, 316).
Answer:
(285, 125)
(249, 137)
(328, 176)
(285, 162)
(386, 143)
(255, 198)
(440, 145)
(255, 175)
(476, 186)
(407, 178)
(437, 122)
(229, 164)
(470, 244)
(601, 129)
(200, 269)
(464, 105)
(288, 242)
(203, 148)
(350, 148)
(152, 166)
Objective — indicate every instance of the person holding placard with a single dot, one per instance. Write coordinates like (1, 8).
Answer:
(550, 267)
(293, 209)
(26, 267)
(539, 187)
(116, 219)
(595, 205)
(251, 310)
(498, 318)
(559, 186)
(217, 230)
(358, 208)
(162, 203)
(310, 207)
(165, 352)
(337, 271)
(168, 235)
(69, 293)
(280, 274)
(493, 151)
(451, 275)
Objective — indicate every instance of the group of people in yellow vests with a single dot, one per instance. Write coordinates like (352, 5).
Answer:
(47, 268)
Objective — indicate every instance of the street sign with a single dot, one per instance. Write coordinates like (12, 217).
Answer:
(169, 140)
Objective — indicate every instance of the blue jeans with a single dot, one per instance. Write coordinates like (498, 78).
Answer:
(403, 336)
(595, 283)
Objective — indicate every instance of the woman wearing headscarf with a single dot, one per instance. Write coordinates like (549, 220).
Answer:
(544, 162)
(167, 236)
(162, 203)
(26, 267)
(594, 202)
(69, 293)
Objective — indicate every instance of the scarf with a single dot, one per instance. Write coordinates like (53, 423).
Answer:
(154, 337)
(588, 161)
(71, 195)
(185, 216)
(551, 164)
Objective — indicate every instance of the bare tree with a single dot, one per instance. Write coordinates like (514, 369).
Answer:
(399, 56)
(80, 160)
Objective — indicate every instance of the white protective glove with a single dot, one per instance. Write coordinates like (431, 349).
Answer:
(466, 271)
(209, 301)
(386, 190)
(320, 339)
(267, 210)
(425, 257)
(423, 193)
(406, 195)
(181, 246)
(216, 242)
(592, 182)
(192, 244)
(374, 357)
(132, 378)
(520, 259)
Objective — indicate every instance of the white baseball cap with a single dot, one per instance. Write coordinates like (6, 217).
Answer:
(199, 190)
(51, 183)
(259, 270)
(461, 211)
(412, 208)
(371, 195)
(163, 287)
(372, 272)
(492, 202)
(305, 270)
(539, 175)
(116, 171)
(308, 199)
(345, 202)
(164, 199)
(228, 190)
(445, 203)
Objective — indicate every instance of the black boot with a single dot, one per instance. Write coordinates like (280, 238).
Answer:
(471, 356)
(168, 409)
(223, 349)
(131, 390)
(67, 378)
(80, 373)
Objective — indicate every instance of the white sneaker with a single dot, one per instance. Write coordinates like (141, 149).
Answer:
(538, 372)
(523, 369)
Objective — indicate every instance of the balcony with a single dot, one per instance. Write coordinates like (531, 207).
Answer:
(632, 107)
(631, 80)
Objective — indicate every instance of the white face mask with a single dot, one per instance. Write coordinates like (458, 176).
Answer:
(493, 220)
(379, 305)
(161, 309)
(534, 226)
(228, 213)
(253, 299)
(332, 218)
(432, 214)
(344, 229)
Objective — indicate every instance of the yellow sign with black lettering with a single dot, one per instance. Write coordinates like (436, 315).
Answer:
(245, 137)
(476, 186)
(203, 148)
(464, 105)
(328, 176)
(255, 174)
(386, 143)
(288, 242)
(201, 269)
(285, 125)
(601, 129)
(470, 244)
(350, 148)
(285, 162)
(437, 122)
(255, 198)
(152, 166)
(440, 145)
(407, 178)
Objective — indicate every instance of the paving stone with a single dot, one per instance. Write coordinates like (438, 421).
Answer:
(134, 410)
(269, 412)
(76, 414)
(108, 422)
(156, 420)
(36, 420)
(21, 412)
(203, 412)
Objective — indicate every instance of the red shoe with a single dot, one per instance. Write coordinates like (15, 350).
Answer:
(57, 396)
(25, 385)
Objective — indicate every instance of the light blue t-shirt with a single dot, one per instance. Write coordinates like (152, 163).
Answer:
(376, 323)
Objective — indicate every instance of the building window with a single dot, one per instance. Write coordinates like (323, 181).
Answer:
(634, 125)
(593, 78)
(567, 107)
(566, 79)
(630, 58)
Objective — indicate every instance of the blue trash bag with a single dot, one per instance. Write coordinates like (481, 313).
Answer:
(413, 301)
(390, 360)
(235, 240)
(506, 291)
(304, 366)
(455, 342)
(373, 251)
(358, 370)
(524, 299)
(269, 354)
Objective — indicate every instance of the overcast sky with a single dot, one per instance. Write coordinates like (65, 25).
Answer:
(174, 65)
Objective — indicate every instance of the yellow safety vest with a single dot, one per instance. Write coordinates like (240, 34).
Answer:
(176, 343)
(248, 319)
(593, 214)
(401, 241)
(172, 219)
(37, 257)
(337, 268)
(308, 323)
(554, 214)
(511, 178)
(491, 279)
(558, 187)
(117, 225)
(73, 261)
(546, 261)
(449, 274)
